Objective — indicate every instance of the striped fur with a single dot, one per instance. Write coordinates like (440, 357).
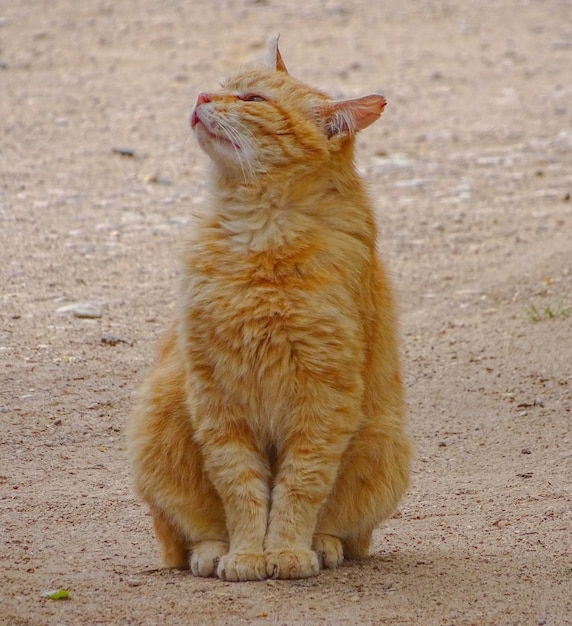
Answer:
(268, 440)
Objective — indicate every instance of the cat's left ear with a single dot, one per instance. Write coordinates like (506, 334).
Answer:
(276, 57)
(347, 117)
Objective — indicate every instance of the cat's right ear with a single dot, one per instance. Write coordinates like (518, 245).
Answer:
(347, 117)
(276, 57)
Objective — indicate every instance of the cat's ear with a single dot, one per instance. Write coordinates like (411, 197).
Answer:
(347, 117)
(276, 57)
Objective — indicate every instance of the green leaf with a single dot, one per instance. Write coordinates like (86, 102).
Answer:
(60, 594)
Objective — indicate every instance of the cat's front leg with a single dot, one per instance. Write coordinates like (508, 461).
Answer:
(305, 478)
(241, 478)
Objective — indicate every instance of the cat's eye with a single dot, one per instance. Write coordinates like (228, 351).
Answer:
(251, 97)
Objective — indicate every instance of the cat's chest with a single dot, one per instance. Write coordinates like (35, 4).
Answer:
(243, 318)
(252, 324)
(255, 293)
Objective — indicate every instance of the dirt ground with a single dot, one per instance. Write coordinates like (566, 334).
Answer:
(470, 169)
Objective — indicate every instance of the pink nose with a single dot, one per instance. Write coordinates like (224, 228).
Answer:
(203, 97)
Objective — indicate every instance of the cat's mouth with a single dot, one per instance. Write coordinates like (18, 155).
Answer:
(195, 119)
(198, 125)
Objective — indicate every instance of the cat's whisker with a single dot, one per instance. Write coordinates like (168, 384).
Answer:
(249, 156)
(245, 155)
(236, 141)
(235, 138)
(184, 146)
(246, 129)
(260, 169)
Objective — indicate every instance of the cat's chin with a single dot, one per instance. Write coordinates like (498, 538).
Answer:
(206, 136)
(224, 154)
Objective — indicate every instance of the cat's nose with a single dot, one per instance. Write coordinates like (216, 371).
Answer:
(203, 97)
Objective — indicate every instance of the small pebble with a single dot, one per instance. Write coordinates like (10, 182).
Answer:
(134, 582)
(501, 523)
(155, 179)
(112, 340)
(412, 182)
(126, 152)
(82, 310)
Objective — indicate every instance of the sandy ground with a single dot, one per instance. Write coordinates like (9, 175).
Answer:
(471, 171)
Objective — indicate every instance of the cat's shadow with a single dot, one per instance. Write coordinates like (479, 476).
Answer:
(447, 576)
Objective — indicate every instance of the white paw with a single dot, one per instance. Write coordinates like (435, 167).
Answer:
(288, 564)
(329, 550)
(240, 566)
(205, 557)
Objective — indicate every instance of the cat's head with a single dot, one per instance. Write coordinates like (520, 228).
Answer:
(263, 120)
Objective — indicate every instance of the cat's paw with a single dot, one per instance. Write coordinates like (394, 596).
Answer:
(205, 557)
(328, 549)
(287, 564)
(240, 566)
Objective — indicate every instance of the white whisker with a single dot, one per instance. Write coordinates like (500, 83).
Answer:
(236, 141)
(252, 156)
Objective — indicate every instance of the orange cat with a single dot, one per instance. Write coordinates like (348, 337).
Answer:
(269, 439)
